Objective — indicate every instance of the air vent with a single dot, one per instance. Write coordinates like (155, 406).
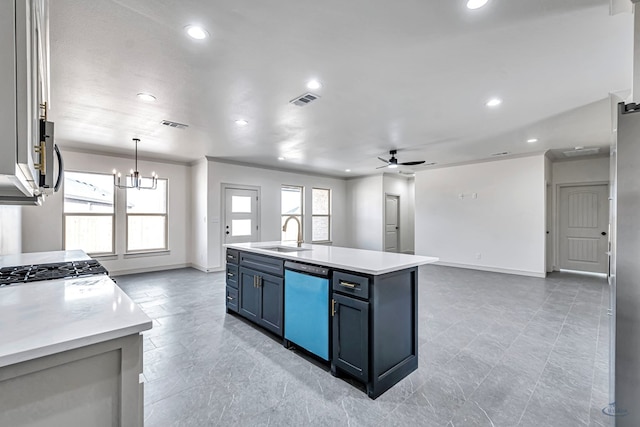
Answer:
(503, 153)
(174, 124)
(305, 99)
(581, 152)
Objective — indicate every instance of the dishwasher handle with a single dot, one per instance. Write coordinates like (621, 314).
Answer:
(313, 270)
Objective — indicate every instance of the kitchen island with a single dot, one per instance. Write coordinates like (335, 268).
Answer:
(365, 314)
(70, 350)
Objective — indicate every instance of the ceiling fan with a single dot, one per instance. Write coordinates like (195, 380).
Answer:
(393, 162)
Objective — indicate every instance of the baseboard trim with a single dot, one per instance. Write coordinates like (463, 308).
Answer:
(493, 269)
(205, 269)
(115, 273)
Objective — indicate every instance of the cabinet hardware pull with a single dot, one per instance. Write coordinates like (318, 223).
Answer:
(229, 256)
(229, 274)
(230, 298)
(348, 284)
(259, 281)
(333, 307)
(255, 281)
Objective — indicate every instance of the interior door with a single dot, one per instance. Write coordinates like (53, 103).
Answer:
(391, 226)
(584, 223)
(241, 215)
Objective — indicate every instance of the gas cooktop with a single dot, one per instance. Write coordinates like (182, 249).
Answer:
(59, 270)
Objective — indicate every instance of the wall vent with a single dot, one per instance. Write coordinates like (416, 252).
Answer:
(582, 152)
(174, 124)
(305, 99)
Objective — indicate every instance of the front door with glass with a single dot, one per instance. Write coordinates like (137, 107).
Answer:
(241, 215)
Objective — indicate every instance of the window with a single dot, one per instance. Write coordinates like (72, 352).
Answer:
(89, 214)
(291, 205)
(147, 218)
(320, 215)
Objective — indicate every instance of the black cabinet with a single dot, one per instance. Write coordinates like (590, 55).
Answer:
(350, 336)
(258, 283)
(375, 327)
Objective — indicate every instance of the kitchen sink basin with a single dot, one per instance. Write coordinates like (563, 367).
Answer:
(285, 249)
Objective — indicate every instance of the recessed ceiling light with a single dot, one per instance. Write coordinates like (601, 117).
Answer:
(146, 97)
(532, 140)
(347, 170)
(580, 147)
(280, 158)
(476, 4)
(314, 84)
(196, 32)
(392, 166)
(242, 122)
(493, 102)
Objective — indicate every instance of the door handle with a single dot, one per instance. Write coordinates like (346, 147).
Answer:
(604, 233)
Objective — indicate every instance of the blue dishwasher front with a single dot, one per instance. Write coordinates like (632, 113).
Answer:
(306, 308)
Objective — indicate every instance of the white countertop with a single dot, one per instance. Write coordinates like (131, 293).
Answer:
(15, 260)
(42, 318)
(359, 260)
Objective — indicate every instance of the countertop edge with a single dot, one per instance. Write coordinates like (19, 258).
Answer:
(35, 353)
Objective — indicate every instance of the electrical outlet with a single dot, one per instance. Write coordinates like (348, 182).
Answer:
(461, 196)
(475, 195)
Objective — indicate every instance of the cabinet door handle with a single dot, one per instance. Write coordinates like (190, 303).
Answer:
(348, 284)
(229, 274)
(229, 256)
(259, 281)
(230, 298)
(333, 307)
(255, 285)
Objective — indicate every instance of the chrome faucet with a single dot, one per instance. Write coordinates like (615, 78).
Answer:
(284, 228)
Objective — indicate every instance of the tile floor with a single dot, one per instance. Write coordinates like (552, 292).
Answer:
(495, 350)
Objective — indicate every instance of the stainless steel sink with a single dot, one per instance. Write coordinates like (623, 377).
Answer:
(285, 249)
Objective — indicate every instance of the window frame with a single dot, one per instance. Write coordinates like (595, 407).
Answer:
(299, 216)
(166, 223)
(94, 214)
(328, 216)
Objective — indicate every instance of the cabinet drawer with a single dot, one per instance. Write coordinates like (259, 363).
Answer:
(262, 263)
(232, 299)
(351, 284)
(232, 256)
(232, 275)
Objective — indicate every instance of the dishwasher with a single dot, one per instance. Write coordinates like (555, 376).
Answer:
(306, 307)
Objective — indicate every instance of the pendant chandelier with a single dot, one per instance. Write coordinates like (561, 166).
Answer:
(134, 178)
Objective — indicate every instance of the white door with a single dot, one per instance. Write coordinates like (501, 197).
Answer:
(391, 240)
(241, 215)
(584, 220)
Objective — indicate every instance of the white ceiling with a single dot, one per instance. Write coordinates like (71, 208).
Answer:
(411, 75)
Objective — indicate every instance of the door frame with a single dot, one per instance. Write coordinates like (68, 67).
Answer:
(556, 215)
(223, 209)
(384, 222)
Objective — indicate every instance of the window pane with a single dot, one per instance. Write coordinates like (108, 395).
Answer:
(241, 227)
(88, 192)
(292, 229)
(240, 204)
(291, 199)
(320, 200)
(92, 234)
(146, 232)
(320, 230)
(148, 201)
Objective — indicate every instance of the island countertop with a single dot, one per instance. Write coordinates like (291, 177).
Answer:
(46, 317)
(358, 260)
(32, 258)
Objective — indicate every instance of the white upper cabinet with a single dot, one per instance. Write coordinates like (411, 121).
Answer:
(24, 90)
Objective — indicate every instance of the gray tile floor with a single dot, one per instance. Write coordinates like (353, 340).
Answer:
(495, 350)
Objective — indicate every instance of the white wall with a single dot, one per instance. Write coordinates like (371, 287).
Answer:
(42, 225)
(403, 187)
(582, 171)
(10, 226)
(505, 224)
(270, 182)
(365, 209)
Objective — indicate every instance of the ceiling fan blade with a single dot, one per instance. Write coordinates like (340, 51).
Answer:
(419, 162)
(382, 167)
(383, 160)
